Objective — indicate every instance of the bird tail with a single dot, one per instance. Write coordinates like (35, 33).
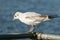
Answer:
(53, 16)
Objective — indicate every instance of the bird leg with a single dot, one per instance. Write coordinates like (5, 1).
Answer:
(32, 28)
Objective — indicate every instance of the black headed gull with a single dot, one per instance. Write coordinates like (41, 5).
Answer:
(31, 18)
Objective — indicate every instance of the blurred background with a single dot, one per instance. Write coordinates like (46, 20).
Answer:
(9, 7)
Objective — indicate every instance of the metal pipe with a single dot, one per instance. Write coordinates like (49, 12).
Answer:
(37, 36)
(48, 36)
(16, 36)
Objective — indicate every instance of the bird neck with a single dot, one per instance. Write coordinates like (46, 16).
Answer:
(20, 16)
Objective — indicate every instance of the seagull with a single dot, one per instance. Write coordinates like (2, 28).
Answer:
(31, 18)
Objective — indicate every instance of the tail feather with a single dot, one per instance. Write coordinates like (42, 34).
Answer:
(53, 16)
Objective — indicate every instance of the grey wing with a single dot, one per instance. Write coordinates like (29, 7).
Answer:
(31, 14)
(35, 18)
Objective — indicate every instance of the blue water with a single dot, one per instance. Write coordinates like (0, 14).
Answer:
(9, 7)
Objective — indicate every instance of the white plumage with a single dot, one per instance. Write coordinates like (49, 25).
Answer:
(30, 18)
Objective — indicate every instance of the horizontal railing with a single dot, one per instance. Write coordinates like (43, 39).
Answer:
(34, 36)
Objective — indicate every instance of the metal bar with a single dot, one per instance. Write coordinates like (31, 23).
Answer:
(35, 36)
(47, 36)
(50, 36)
(16, 36)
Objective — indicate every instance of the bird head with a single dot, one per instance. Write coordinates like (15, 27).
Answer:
(17, 15)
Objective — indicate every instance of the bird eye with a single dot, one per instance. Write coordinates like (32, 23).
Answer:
(17, 14)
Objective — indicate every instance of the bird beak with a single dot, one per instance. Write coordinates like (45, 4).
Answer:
(13, 19)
